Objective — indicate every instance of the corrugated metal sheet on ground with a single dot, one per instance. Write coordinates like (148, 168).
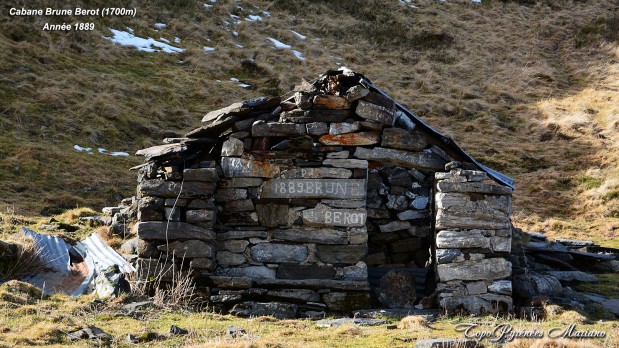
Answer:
(103, 256)
(55, 254)
(54, 251)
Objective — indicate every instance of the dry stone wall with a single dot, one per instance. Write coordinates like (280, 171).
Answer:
(280, 206)
(473, 241)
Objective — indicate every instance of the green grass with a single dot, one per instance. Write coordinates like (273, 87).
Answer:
(607, 285)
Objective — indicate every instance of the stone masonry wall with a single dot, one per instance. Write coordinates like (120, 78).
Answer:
(473, 240)
(277, 207)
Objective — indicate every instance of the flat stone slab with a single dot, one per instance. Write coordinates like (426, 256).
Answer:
(256, 309)
(324, 215)
(398, 138)
(461, 239)
(188, 249)
(316, 173)
(161, 230)
(345, 285)
(171, 189)
(474, 187)
(167, 150)
(612, 306)
(314, 188)
(417, 160)
(278, 253)
(350, 139)
(569, 276)
(201, 174)
(349, 254)
(312, 235)
(375, 112)
(345, 163)
(486, 269)
(276, 129)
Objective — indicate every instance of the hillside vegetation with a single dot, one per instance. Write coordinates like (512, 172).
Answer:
(528, 88)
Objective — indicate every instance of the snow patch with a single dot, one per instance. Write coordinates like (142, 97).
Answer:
(239, 46)
(88, 150)
(298, 55)
(234, 79)
(279, 44)
(477, 1)
(235, 33)
(207, 6)
(146, 45)
(208, 49)
(242, 85)
(101, 150)
(302, 37)
(164, 40)
(160, 25)
(177, 39)
(253, 18)
(119, 154)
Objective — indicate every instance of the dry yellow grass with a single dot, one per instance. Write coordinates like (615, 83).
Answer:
(413, 322)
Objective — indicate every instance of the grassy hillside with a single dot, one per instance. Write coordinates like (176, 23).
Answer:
(529, 88)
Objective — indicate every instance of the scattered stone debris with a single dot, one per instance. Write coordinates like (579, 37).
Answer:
(111, 283)
(277, 310)
(235, 331)
(176, 331)
(89, 333)
(136, 306)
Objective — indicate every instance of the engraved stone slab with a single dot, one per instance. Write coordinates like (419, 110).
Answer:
(375, 112)
(311, 173)
(314, 188)
(233, 166)
(323, 215)
(418, 160)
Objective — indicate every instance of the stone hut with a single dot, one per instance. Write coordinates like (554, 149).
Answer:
(335, 199)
